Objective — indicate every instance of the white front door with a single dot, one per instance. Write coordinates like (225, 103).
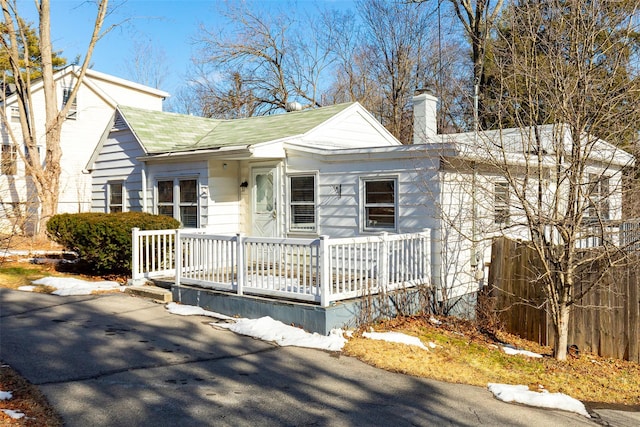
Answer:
(264, 202)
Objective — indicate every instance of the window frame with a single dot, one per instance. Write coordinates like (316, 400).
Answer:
(177, 203)
(123, 198)
(9, 166)
(296, 227)
(501, 203)
(72, 114)
(366, 206)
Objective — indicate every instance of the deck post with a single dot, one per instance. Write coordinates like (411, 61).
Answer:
(178, 257)
(135, 255)
(325, 272)
(383, 275)
(240, 263)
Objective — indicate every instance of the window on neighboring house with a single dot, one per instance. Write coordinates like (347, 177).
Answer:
(15, 114)
(598, 208)
(116, 197)
(380, 204)
(501, 203)
(73, 110)
(9, 160)
(178, 198)
(302, 203)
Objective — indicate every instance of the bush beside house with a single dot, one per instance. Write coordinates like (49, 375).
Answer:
(103, 240)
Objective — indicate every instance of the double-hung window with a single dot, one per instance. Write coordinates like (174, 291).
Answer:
(178, 198)
(9, 160)
(302, 203)
(116, 197)
(501, 203)
(380, 198)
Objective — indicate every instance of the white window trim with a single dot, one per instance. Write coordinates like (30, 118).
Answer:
(290, 226)
(72, 114)
(13, 158)
(363, 203)
(123, 204)
(176, 204)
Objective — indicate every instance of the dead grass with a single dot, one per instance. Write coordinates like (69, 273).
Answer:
(26, 399)
(466, 355)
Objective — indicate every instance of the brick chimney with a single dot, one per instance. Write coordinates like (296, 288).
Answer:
(425, 126)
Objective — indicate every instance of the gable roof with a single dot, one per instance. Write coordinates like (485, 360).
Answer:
(160, 132)
(74, 71)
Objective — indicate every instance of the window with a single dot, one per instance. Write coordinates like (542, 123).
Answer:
(15, 114)
(598, 208)
(179, 199)
(9, 160)
(380, 204)
(501, 202)
(302, 203)
(73, 110)
(116, 197)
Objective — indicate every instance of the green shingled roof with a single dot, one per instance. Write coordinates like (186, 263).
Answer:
(161, 132)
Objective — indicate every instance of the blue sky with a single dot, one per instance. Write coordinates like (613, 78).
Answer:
(171, 25)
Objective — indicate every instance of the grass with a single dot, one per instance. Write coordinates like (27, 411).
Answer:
(465, 355)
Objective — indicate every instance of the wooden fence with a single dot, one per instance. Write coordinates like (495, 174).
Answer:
(605, 322)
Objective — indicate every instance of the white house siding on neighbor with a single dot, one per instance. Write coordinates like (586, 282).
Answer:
(95, 103)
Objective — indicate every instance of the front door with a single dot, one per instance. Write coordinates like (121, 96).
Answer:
(264, 202)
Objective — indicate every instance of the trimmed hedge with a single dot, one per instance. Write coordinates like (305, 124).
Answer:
(103, 240)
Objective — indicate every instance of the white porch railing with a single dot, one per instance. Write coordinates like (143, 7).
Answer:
(152, 253)
(319, 270)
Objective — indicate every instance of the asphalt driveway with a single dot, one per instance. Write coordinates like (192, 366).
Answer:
(119, 360)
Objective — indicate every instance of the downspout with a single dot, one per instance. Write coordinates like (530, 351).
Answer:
(474, 209)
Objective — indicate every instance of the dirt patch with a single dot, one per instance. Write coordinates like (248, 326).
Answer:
(27, 400)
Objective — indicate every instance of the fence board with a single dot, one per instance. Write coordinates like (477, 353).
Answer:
(606, 321)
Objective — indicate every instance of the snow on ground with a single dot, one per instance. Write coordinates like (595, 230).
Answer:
(16, 415)
(268, 329)
(544, 399)
(397, 337)
(66, 286)
(192, 310)
(5, 395)
(512, 351)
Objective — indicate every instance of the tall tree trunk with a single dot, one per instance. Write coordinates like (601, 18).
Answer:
(562, 331)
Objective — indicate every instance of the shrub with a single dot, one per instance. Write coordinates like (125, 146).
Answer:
(103, 240)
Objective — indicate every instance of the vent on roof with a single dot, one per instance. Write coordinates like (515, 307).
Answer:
(119, 123)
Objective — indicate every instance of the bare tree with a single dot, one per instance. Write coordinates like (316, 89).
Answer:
(554, 180)
(43, 176)
(272, 59)
(148, 63)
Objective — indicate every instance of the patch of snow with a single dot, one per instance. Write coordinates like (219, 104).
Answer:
(522, 394)
(5, 395)
(16, 415)
(434, 321)
(268, 329)
(66, 286)
(191, 310)
(396, 337)
(513, 351)
(27, 288)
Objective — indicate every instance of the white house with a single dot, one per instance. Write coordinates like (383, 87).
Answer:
(93, 108)
(331, 171)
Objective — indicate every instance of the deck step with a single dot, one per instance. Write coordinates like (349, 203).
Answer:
(153, 292)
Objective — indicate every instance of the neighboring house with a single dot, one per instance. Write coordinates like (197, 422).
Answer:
(331, 171)
(91, 111)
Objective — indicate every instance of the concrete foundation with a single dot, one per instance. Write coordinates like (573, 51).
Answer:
(310, 317)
